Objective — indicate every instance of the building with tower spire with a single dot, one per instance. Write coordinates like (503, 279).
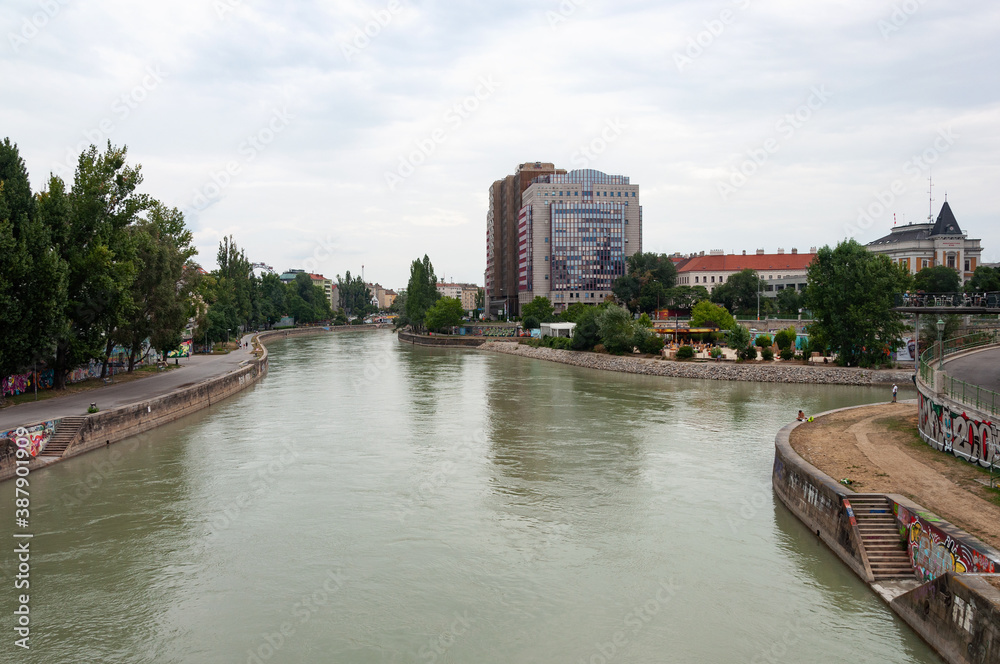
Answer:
(934, 242)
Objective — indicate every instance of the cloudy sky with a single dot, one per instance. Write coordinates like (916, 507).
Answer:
(346, 133)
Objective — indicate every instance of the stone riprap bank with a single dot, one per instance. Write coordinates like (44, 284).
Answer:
(748, 371)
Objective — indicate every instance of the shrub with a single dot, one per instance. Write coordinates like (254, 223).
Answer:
(787, 354)
(763, 341)
(530, 323)
(715, 353)
(651, 343)
(561, 343)
(599, 348)
(685, 353)
(767, 353)
(748, 353)
(785, 338)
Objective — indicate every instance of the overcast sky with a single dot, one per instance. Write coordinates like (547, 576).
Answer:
(345, 133)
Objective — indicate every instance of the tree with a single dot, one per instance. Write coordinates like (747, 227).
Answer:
(530, 323)
(707, 314)
(617, 329)
(644, 288)
(938, 279)
(33, 274)
(739, 340)
(984, 279)
(444, 314)
(586, 334)
(739, 293)
(355, 296)
(539, 308)
(789, 302)
(851, 293)
(480, 300)
(271, 302)
(421, 292)
(684, 297)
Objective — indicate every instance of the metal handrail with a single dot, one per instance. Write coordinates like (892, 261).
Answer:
(958, 390)
(988, 300)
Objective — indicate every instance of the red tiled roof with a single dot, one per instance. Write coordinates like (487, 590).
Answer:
(737, 262)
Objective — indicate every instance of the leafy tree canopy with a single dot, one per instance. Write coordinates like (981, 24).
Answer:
(706, 314)
(937, 279)
(645, 285)
(539, 308)
(740, 291)
(421, 292)
(444, 314)
(984, 279)
(851, 293)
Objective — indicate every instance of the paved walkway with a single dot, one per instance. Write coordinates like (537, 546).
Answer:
(193, 370)
(982, 369)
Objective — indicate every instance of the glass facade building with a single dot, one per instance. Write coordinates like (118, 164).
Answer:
(574, 232)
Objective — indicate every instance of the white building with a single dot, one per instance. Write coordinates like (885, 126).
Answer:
(916, 246)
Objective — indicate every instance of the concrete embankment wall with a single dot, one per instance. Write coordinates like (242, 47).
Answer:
(957, 613)
(818, 501)
(448, 341)
(746, 371)
(117, 424)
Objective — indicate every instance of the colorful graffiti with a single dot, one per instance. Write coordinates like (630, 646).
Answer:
(934, 552)
(184, 350)
(21, 383)
(956, 433)
(38, 434)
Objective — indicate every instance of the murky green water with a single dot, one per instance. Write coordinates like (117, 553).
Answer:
(371, 501)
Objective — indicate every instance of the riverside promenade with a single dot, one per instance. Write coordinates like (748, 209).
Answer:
(194, 369)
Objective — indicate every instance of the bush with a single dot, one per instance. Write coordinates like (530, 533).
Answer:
(767, 353)
(763, 341)
(747, 353)
(785, 338)
(787, 354)
(715, 353)
(599, 348)
(561, 343)
(530, 323)
(651, 343)
(685, 353)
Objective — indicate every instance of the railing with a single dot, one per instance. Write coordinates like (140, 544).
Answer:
(971, 395)
(989, 300)
(983, 400)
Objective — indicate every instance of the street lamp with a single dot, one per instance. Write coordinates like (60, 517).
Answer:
(227, 335)
(940, 329)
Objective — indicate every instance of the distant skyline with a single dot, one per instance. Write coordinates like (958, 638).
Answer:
(325, 136)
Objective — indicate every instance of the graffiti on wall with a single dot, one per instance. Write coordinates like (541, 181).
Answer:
(38, 434)
(934, 552)
(184, 350)
(957, 433)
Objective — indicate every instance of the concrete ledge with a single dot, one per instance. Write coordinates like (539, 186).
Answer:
(444, 340)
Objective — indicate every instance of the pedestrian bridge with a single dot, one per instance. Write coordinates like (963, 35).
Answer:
(948, 303)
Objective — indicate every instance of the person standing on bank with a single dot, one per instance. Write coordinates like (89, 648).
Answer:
(894, 390)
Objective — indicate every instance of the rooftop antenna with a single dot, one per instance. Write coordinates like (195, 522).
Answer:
(930, 199)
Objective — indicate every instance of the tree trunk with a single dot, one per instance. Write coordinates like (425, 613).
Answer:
(59, 370)
(110, 346)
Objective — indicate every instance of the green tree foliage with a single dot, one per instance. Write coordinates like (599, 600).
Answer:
(684, 297)
(984, 279)
(789, 302)
(271, 301)
(530, 323)
(937, 279)
(706, 314)
(355, 296)
(421, 292)
(785, 338)
(685, 352)
(739, 340)
(645, 285)
(573, 312)
(763, 341)
(340, 318)
(739, 293)
(444, 314)
(851, 293)
(307, 303)
(539, 308)
(33, 274)
(587, 333)
(480, 300)
(616, 329)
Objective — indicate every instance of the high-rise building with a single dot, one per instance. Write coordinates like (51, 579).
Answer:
(573, 233)
(502, 236)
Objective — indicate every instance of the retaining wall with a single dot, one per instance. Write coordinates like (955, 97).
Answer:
(957, 613)
(117, 424)
(444, 340)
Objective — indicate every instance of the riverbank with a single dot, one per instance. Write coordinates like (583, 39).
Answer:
(934, 574)
(749, 371)
(66, 422)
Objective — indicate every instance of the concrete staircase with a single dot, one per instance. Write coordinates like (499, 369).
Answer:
(65, 434)
(880, 537)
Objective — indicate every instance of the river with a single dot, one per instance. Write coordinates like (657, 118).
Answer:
(371, 501)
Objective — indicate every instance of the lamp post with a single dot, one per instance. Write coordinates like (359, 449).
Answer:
(940, 329)
(227, 335)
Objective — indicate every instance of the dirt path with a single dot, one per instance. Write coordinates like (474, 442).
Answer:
(879, 450)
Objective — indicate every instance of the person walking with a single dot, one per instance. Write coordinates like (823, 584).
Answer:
(894, 390)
